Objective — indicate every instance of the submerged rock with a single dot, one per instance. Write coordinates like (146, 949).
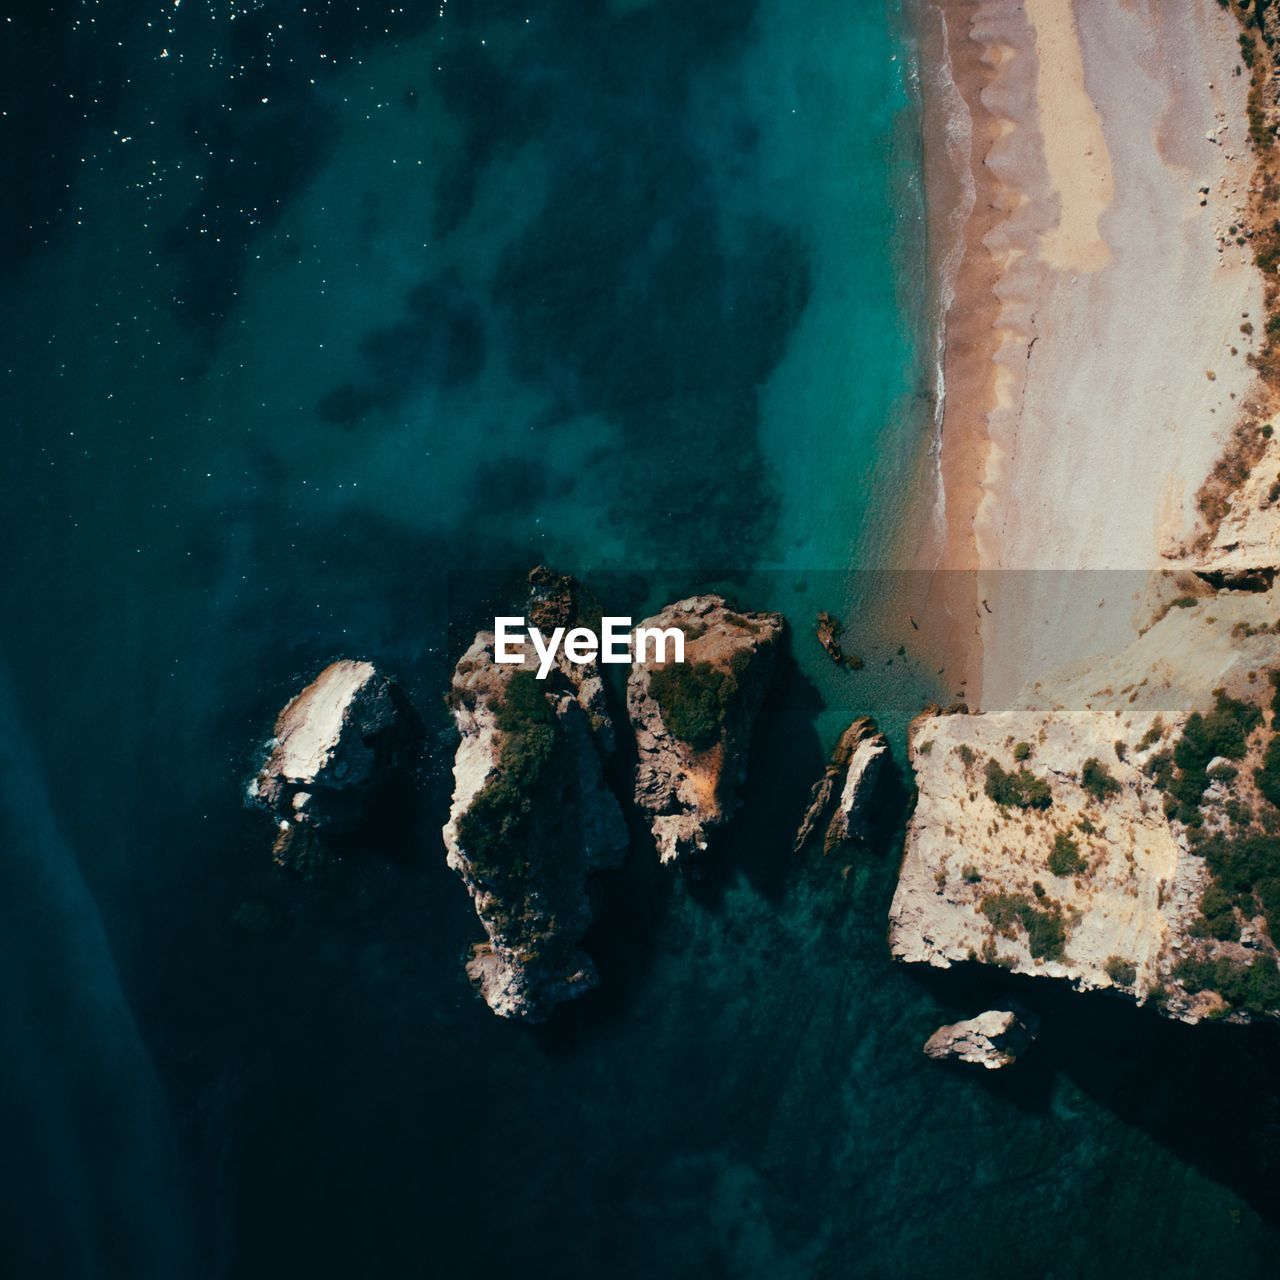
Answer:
(997, 1038)
(842, 798)
(335, 743)
(693, 720)
(828, 631)
(532, 818)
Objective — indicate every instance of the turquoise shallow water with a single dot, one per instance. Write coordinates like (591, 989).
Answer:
(321, 328)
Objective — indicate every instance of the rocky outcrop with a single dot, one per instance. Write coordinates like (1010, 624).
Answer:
(693, 720)
(334, 745)
(1238, 579)
(1091, 834)
(841, 804)
(531, 820)
(994, 1039)
(828, 631)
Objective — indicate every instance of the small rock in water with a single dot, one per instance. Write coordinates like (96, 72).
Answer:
(997, 1038)
(334, 743)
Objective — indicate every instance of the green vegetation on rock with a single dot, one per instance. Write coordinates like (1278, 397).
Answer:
(1224, 731)
(1065, 859)
(492, 831)
(1218, 917)
(1045, 928)
(1252, 988)
(1268, 776)
(1246, 869)
(694, 697)
(1096, 779)
(1020, 790)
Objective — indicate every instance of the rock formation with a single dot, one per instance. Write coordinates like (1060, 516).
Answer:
(532, 817)
(693, 720)
(828, 631)
(994, 1039)
(842, 799)
(1118, 826)
(334, 745)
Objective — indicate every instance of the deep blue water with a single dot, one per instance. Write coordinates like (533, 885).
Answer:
(322, 324)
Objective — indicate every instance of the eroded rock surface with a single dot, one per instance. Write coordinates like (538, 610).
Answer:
(693, 720)
(841, 804)
(1113, 828)
(334, 744)
(531, 820)
(994, 1039)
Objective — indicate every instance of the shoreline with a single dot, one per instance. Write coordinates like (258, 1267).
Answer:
(1093, 322)
(943, 596)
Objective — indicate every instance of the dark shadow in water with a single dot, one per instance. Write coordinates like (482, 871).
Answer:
(260, 137)
(395, 809)
(632, 901)
(1210, 1094)
(440, 342)
(785, 760)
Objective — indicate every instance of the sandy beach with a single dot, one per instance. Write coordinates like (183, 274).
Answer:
(1095, 360)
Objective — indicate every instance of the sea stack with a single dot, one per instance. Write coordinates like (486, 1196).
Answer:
(842, 799)
(693, 720)
(532, 817)
(335, 744)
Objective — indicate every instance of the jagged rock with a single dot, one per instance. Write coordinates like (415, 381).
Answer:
(994, 1039)
(842, 797)
(532, 818)
(693, 720)
(560, 600)
(828, 632)
(334, 744)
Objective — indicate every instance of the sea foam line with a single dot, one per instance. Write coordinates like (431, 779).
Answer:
(958, 144)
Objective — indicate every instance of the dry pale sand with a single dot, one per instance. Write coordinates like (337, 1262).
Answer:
(1090, 381)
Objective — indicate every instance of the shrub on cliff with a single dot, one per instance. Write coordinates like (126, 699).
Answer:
(1223, 732)
(1268, 776)
(1065, 859)
(524, 702)
(1246, 868)
(1096, 779)
(492, 830)
(1045, 928)
(1124, 973)
(694, 696)
(1253, 988)
(1020, 790)
(1217, 915)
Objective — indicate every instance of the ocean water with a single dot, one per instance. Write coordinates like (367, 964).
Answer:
(322, 325)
